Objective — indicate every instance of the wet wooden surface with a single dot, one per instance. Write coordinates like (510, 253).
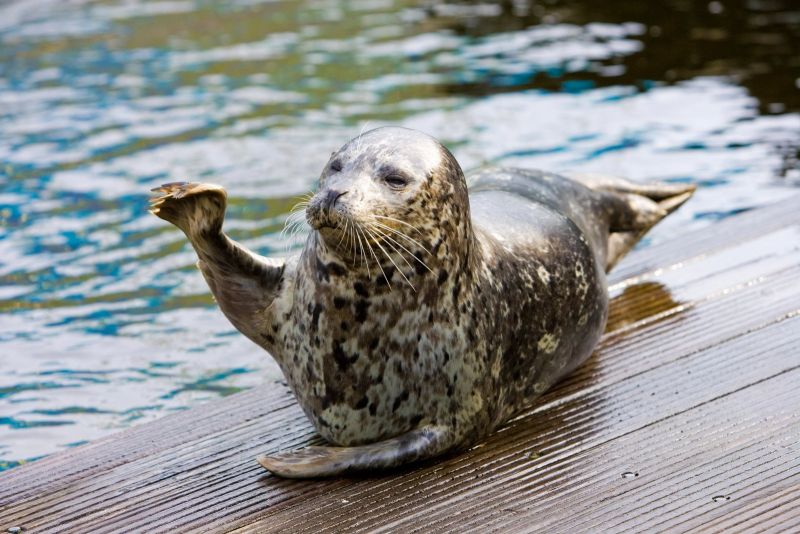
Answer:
(687, 418)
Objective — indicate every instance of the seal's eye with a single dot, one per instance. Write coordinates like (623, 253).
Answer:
(395, 181)
(336, 165)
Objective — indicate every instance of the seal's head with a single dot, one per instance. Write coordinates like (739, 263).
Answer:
(393, 190)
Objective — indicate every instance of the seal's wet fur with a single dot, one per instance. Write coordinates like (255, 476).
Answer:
(422, 314)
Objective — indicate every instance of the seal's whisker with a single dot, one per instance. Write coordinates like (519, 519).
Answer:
(386, 236)
(363, 254)
(300, 206)
(368, 246)
(396, 242)
(371, 251)
(376, 258)
(401, 222)
(292, 227)
(350, 243)
(360, 248)
(293, 222)
(401, 234)
(286, 225)
(342, 234)
(399, 270)
(391, 242)
(343, 237)
(378, 237)
(351, 239)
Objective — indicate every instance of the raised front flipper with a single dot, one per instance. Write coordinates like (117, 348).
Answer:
(244, 283)
(313, 462)
(193, 207)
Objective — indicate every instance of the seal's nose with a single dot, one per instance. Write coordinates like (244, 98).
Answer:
(332, 195)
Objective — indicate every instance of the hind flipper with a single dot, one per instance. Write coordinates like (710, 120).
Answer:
(313, 462)
(621, 242)
(636, 208)
(654, 190)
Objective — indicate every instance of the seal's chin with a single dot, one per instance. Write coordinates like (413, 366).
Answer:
(331, 231)
(336, 240)
(321, 222)
(319, 219)
(330, 225)
(331, 234)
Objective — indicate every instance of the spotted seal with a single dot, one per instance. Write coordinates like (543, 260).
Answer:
(421, 313)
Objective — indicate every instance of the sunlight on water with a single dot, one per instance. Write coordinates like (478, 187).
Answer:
(106, 322)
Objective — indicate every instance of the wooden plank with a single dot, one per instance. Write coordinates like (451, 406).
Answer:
(691, 388)
(766, 513)
(571, 439)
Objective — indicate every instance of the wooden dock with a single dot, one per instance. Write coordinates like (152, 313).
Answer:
(687, 418)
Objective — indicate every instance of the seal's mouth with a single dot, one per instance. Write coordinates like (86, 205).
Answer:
(325, 210)
(337, 234)
(323, 219)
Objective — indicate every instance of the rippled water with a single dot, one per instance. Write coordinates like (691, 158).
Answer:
(106, 322)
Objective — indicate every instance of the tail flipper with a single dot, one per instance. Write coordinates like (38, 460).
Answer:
(637, 208)
(313, 462)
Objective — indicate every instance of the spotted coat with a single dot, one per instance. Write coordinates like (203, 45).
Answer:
(418, 300)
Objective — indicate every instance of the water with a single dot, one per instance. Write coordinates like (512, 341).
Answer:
(105, 322)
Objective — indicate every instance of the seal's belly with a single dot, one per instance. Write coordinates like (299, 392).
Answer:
(367, 362)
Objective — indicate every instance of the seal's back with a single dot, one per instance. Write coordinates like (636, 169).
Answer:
(613, 213)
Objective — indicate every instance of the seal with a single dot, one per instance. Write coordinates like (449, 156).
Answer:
(422, 312)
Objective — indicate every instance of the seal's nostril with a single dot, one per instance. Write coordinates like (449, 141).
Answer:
(331, 197)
